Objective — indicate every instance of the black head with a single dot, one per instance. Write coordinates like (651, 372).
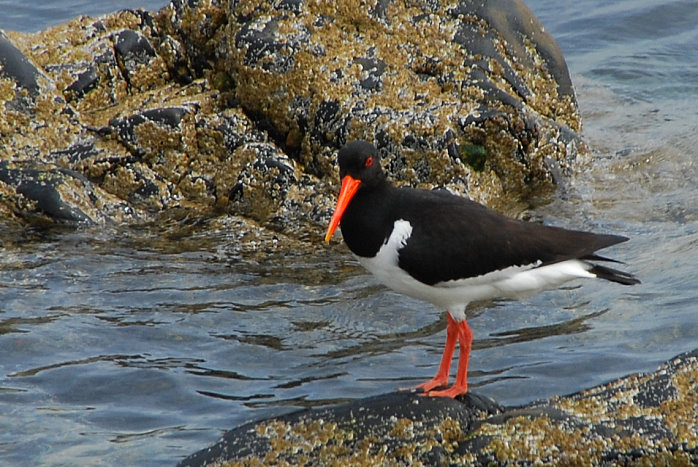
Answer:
(361, 161)
(360, 170)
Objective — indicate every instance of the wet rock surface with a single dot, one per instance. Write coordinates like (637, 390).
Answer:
(219, 107)
(643, 419)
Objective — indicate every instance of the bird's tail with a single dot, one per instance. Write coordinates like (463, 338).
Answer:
(613, 275)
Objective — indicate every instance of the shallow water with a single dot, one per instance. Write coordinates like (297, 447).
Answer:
(142, 345)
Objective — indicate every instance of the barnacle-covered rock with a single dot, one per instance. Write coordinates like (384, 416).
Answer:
(238, 107)
(472, 95)
(389, 429)
(264, 181)
(642, 419)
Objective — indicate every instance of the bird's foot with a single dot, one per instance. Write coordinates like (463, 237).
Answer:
(435, 382)
(454, 391)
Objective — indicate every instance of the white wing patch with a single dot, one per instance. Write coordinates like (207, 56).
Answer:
(386, 260)
(385, 264)
(454, 295)
(402, 230)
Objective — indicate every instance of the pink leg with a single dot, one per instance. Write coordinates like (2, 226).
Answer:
(441, 378)
(465, 339)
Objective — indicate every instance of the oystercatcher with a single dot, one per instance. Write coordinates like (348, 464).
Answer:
(450, 251)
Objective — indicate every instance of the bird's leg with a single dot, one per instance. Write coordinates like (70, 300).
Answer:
(441, 378)
(465, 339)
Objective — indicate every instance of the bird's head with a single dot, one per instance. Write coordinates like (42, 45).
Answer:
(359, 168)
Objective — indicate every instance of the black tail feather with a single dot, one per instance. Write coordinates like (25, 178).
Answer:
(614, 275)
(595, 257)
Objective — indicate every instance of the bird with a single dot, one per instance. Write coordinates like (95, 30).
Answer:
(448, 250)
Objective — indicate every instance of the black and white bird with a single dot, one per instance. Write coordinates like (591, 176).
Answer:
(450, 251)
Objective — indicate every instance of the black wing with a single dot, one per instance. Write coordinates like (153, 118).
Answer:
(455, 238)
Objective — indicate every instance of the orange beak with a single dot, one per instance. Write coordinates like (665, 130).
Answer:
(349, 187)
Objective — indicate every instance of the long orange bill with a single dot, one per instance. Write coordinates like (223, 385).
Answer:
(349, 187)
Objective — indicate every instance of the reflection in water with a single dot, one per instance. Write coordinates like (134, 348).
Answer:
(572, 326)
(20, 325)
(382, 344)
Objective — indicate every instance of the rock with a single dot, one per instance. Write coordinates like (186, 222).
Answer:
(644, 419)
(17, 68)
(62, 194)
(398, 427)
(237, 107)
(43, 144)
(472, 96)
(647, 419)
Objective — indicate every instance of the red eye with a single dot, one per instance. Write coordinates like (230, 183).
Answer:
(369, 161)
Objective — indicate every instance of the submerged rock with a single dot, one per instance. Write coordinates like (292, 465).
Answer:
(238, 107)
(644, 419)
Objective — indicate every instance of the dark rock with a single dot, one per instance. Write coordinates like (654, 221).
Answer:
(400, 427)
(194, 33)
(514, 23)
(133, 46)
(291, 5)
(42, 189)
(403, 73)
(605, 424)
(85, 81)
(264, 183)
(258, 43)
(57, 195)
(15, 65)
(76, 153)
(133, 50)
(374, 68)
(127, 128)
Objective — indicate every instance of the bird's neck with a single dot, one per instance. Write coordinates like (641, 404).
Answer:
(367, 221)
